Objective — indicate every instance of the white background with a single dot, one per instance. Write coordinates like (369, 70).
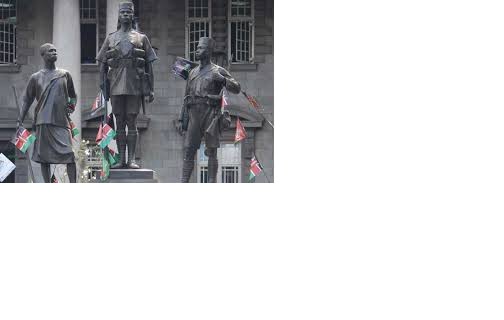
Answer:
(387, 202)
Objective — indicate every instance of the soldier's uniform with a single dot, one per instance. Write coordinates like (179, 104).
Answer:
(127, 54)
(202, 100)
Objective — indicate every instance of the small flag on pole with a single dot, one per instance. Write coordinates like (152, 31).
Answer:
(97, 103)
(225, 99)
(181, 67)
(255, 168)
(110, 120)
(23, 139)
(240, 134)
(99, 135)
(113, 157)
(73, 129)
(53, 179)
(107, 135)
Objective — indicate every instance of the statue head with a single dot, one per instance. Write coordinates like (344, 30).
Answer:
(126, 14)
(48, 52)
(205, 48)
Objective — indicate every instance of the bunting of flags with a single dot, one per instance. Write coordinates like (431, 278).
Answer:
(255, 168)
(240, 134)
(24, 139)
(73, 129)
(105, 135)
(252, 101)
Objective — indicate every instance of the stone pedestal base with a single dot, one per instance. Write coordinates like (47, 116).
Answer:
(132, 176)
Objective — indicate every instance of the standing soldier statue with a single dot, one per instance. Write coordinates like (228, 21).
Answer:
(201, 116)
(129, 55)
(56, 99)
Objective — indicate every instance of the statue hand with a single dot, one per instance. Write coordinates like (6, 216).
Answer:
(179, 129)
(151, 97)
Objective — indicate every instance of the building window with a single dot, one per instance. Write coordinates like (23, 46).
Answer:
(229, 157)
(241, 31)
(89, 30)
(199, 24)
(7, 31)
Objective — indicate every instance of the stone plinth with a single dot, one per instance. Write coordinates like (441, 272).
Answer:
(132, 176)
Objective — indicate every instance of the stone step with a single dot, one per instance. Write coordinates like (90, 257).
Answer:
(132, 175)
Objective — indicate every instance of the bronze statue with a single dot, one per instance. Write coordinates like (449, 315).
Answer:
(126, 59)
(201, 116)
(56, 99)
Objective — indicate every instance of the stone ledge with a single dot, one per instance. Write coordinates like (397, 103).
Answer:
(243, 67)
(10, 68)
(90, 68)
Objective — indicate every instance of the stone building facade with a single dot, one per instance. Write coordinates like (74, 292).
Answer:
(244, 40)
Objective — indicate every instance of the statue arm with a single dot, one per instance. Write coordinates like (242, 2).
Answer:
(231, 84)
(28, 98)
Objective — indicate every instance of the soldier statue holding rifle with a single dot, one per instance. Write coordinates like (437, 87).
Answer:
(126, 59)
(201, 115)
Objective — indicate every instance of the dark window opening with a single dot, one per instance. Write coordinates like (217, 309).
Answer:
(88, 43)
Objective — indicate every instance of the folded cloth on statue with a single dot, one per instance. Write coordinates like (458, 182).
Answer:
(53, 145)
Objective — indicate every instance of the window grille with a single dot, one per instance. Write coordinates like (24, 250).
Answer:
(8, 19)
(229, 157)
(198, 18)
(241, 31)
(89, 30)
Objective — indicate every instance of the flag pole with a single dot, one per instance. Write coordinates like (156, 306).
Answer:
(263, 170)
(264, 117)
(30, 169)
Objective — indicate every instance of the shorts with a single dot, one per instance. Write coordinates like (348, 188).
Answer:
(126, 104)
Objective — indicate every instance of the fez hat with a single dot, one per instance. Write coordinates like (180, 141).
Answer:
(126, 5)
(209, 42)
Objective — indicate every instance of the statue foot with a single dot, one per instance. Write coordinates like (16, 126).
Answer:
(119, 166)
(133, 165)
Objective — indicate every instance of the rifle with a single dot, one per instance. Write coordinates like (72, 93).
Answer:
(30, 169)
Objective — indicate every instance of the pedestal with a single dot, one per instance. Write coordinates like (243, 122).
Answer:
(132, 176)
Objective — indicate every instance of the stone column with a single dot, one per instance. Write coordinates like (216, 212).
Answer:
(66, 38)
(112, 15)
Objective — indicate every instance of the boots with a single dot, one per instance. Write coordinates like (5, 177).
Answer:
(121, 146)
(187, 168)
(213, 166)
(132, 140)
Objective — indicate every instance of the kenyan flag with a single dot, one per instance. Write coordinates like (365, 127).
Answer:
(73, 129)
(107, 134)
(113, 157)
(255, 168)
(104, 174)
(23, 139)
(71, 103)
(53, 179)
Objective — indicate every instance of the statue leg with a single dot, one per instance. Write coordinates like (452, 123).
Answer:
(46, 172)
(213, 164)
(188, 164)
(121, 131)
(72, 172)
(132, 140)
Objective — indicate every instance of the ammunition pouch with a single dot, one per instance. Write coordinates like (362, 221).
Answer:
(201, 100)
